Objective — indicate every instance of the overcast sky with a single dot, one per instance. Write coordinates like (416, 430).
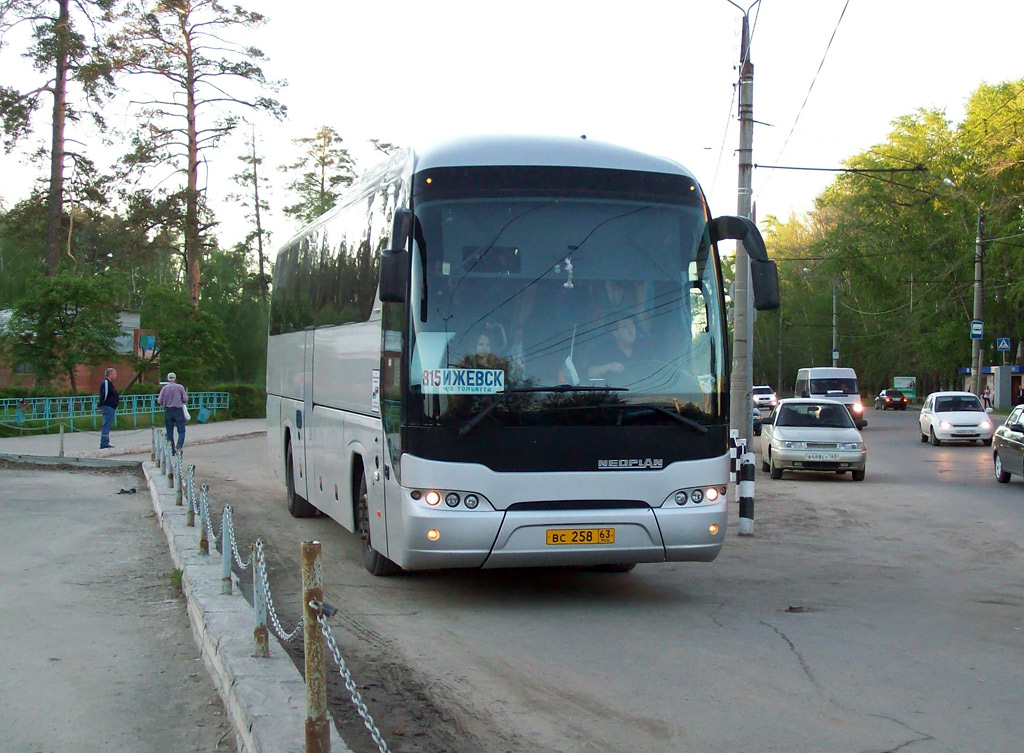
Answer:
(655, 76)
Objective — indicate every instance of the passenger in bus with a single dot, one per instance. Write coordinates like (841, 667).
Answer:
(615, 351)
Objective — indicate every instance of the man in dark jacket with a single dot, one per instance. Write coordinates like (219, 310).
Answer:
(109, 400)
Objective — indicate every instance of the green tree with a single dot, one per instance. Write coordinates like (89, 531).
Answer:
(63, 54)
(253, 182)
(193, 46)
(190, 342)
(61, 322)
(324, 168)
(231, 292)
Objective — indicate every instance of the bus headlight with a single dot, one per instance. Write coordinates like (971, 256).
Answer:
(471, 501)
(858, 407)
(432, 498)
(451, 499)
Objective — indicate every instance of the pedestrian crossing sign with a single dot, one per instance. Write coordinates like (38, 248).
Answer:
(1002, 343)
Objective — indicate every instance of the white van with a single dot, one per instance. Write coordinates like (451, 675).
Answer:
(834, 383)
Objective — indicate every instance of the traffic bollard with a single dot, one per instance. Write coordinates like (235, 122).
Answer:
(746, 494)
(734, 435)
(204, 518)
(225, 551)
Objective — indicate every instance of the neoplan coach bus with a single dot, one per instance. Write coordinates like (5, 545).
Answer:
(508, 352)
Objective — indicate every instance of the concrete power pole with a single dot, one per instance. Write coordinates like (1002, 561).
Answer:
(743, 323)
(979, 302)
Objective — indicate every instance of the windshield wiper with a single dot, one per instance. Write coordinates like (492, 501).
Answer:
(476, 419)
(695, 425)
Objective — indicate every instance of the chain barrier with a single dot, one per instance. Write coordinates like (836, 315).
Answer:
(357, 699)
(261, 573)
(229, 533)
(198, 504)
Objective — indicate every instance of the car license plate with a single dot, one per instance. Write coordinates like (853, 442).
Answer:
(581, 536)
(965, 432)
(823, 456)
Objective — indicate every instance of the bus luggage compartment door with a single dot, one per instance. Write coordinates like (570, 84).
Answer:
(539, 538)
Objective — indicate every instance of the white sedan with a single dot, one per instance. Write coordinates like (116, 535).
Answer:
(803, 434)
(955, 417)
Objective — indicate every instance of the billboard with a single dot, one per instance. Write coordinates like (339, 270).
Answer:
(906, 385)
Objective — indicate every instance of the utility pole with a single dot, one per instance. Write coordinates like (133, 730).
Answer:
(835, 327)
(741, 413)
(979, 302)
(778, 382)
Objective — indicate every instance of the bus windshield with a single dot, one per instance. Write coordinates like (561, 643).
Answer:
(610, 297)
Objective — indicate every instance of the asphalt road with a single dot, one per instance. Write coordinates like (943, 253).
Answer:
(862, 616)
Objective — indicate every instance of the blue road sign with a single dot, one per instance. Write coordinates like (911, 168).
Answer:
(1002, 343)
(977, 329)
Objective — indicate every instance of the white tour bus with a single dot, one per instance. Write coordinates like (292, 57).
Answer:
(508, 352)
(834, 383)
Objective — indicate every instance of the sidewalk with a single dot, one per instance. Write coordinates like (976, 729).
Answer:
(264, 699)
(129, 444)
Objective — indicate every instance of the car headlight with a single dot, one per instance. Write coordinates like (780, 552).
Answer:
(851, 445)
(986, 425)
(945, 425)
(795, 445)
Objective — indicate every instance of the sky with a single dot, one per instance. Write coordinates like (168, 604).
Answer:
(829, 78)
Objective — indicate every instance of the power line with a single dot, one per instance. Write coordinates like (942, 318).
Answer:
(810, 88)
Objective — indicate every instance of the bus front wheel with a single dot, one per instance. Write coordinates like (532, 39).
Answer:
(298, 506)
(373, 560)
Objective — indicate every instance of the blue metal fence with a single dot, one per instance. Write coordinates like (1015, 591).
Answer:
(39, 413)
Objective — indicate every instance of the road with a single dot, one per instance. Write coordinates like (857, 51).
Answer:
(872, 616)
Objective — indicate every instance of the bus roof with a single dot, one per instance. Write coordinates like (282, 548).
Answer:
(541, 150)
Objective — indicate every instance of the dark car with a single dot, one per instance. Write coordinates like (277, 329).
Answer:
(757, 422)
(1008, 446)
(891, 399)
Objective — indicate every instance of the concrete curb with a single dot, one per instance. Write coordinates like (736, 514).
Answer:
(148, 448)
(82, 462)
(264, 698)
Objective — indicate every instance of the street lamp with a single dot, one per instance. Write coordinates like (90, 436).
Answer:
(979, 294)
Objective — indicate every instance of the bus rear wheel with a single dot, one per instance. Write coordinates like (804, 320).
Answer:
(373, 560)
(298, 506)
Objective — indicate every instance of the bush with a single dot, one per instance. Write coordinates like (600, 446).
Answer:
(247, 400)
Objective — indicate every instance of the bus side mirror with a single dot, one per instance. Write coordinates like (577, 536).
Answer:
(394, 262)
(764, 275)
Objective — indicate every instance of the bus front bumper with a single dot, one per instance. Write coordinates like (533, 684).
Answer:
(546, 538)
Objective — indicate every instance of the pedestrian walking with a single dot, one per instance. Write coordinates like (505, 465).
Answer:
(173, 398)
(109, 400)
(986, 396)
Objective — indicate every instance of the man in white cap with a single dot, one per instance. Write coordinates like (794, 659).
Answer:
(173, 398)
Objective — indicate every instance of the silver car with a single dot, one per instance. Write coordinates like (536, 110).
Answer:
(804, 434)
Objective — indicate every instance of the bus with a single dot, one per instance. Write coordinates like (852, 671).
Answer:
(510, 352)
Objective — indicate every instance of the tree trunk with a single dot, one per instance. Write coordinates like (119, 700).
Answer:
(55, 199)
(259, 221)
(193, 247)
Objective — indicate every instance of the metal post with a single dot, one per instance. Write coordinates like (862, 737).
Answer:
(190, 509)
(835, 327)
(778, 383)
(178, 495)
(225, 551)
(743, 321)
(61, 441)
(746, 495)
(979, 302)
(152, 443)
(260, 634)
(204, 513)
(318, 738)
